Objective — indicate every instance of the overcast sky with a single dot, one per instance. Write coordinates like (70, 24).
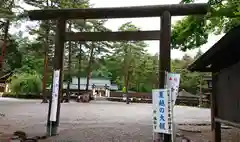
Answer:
(144, 23)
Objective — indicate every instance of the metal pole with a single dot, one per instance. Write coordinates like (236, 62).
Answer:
(164, 60)
(58, 65)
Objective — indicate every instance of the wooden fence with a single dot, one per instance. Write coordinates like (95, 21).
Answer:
(147, 98)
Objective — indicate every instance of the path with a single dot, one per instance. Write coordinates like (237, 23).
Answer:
(89, 122)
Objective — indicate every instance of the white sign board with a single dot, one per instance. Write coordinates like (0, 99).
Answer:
(55, 92)
(173, 82)
(162, 120)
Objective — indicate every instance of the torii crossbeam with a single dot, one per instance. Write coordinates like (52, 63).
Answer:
(163, 11)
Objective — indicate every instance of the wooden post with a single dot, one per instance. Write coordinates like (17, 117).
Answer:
(215, 126)
(164, 60)
(52, 126)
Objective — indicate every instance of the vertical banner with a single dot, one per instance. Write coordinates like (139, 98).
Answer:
(173, 82)
(161, 111)
(55, 92)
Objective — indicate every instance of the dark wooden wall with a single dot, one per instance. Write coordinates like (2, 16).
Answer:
(228, 93)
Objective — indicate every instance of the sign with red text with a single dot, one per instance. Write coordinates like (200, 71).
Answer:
(173, 82)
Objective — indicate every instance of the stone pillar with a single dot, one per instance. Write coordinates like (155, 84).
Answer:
(93, 91)
(106, 91)
(6, 88)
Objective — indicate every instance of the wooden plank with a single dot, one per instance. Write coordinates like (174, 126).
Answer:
(226, 122)
(112, 36)
(120, 12)
(215, 126)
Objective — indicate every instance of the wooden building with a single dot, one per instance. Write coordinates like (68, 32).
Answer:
(97, 85)
(208, 88)
(223, 61)
(4, 83)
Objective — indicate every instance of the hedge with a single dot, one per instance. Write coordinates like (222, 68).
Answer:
(23, 95)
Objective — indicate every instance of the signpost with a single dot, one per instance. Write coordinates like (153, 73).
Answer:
(163, 103)
(162, 121)
(55, 89)
(54, 101)
(173, 82)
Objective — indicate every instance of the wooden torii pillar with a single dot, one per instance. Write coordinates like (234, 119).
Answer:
(163, 11)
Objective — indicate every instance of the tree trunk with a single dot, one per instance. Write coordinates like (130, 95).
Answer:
(80, 67)
(200, 91)
(6, 29)
(127, 85)
(45, 71)
(89, 65)
(5, 38)
(138, 86)
(154, 74)
(44, 95)
(80, 62)
(127, 66)
(69, 65)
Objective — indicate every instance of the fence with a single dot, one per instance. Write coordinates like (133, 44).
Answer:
(147, 98)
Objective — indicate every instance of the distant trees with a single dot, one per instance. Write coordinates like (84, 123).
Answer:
(126, 63)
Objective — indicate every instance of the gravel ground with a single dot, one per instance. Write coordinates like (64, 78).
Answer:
(97, 121)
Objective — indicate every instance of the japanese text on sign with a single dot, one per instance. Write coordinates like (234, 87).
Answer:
(55, 91)
(161, 111)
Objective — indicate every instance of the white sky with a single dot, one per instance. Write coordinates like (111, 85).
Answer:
(143, 23)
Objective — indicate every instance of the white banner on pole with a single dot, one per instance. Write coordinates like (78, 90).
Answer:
(55, 92)
(173, 82)
(162, 120)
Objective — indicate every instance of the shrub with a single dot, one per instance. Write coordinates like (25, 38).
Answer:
(22, 95)
(182, 104)
(205, 105)
(135, 99)
(25, 83)
(9, 94)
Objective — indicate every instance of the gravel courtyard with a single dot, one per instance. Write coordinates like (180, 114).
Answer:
(97, 121)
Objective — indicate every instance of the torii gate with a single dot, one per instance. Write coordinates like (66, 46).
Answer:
(61, 15)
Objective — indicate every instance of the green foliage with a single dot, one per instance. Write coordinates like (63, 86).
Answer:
(25, 83)
(189, 33)
(192, 31)
(190, 81)
(31, 65)
(129, 58)
(125, 63)
(22, 95)
(13, 56)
